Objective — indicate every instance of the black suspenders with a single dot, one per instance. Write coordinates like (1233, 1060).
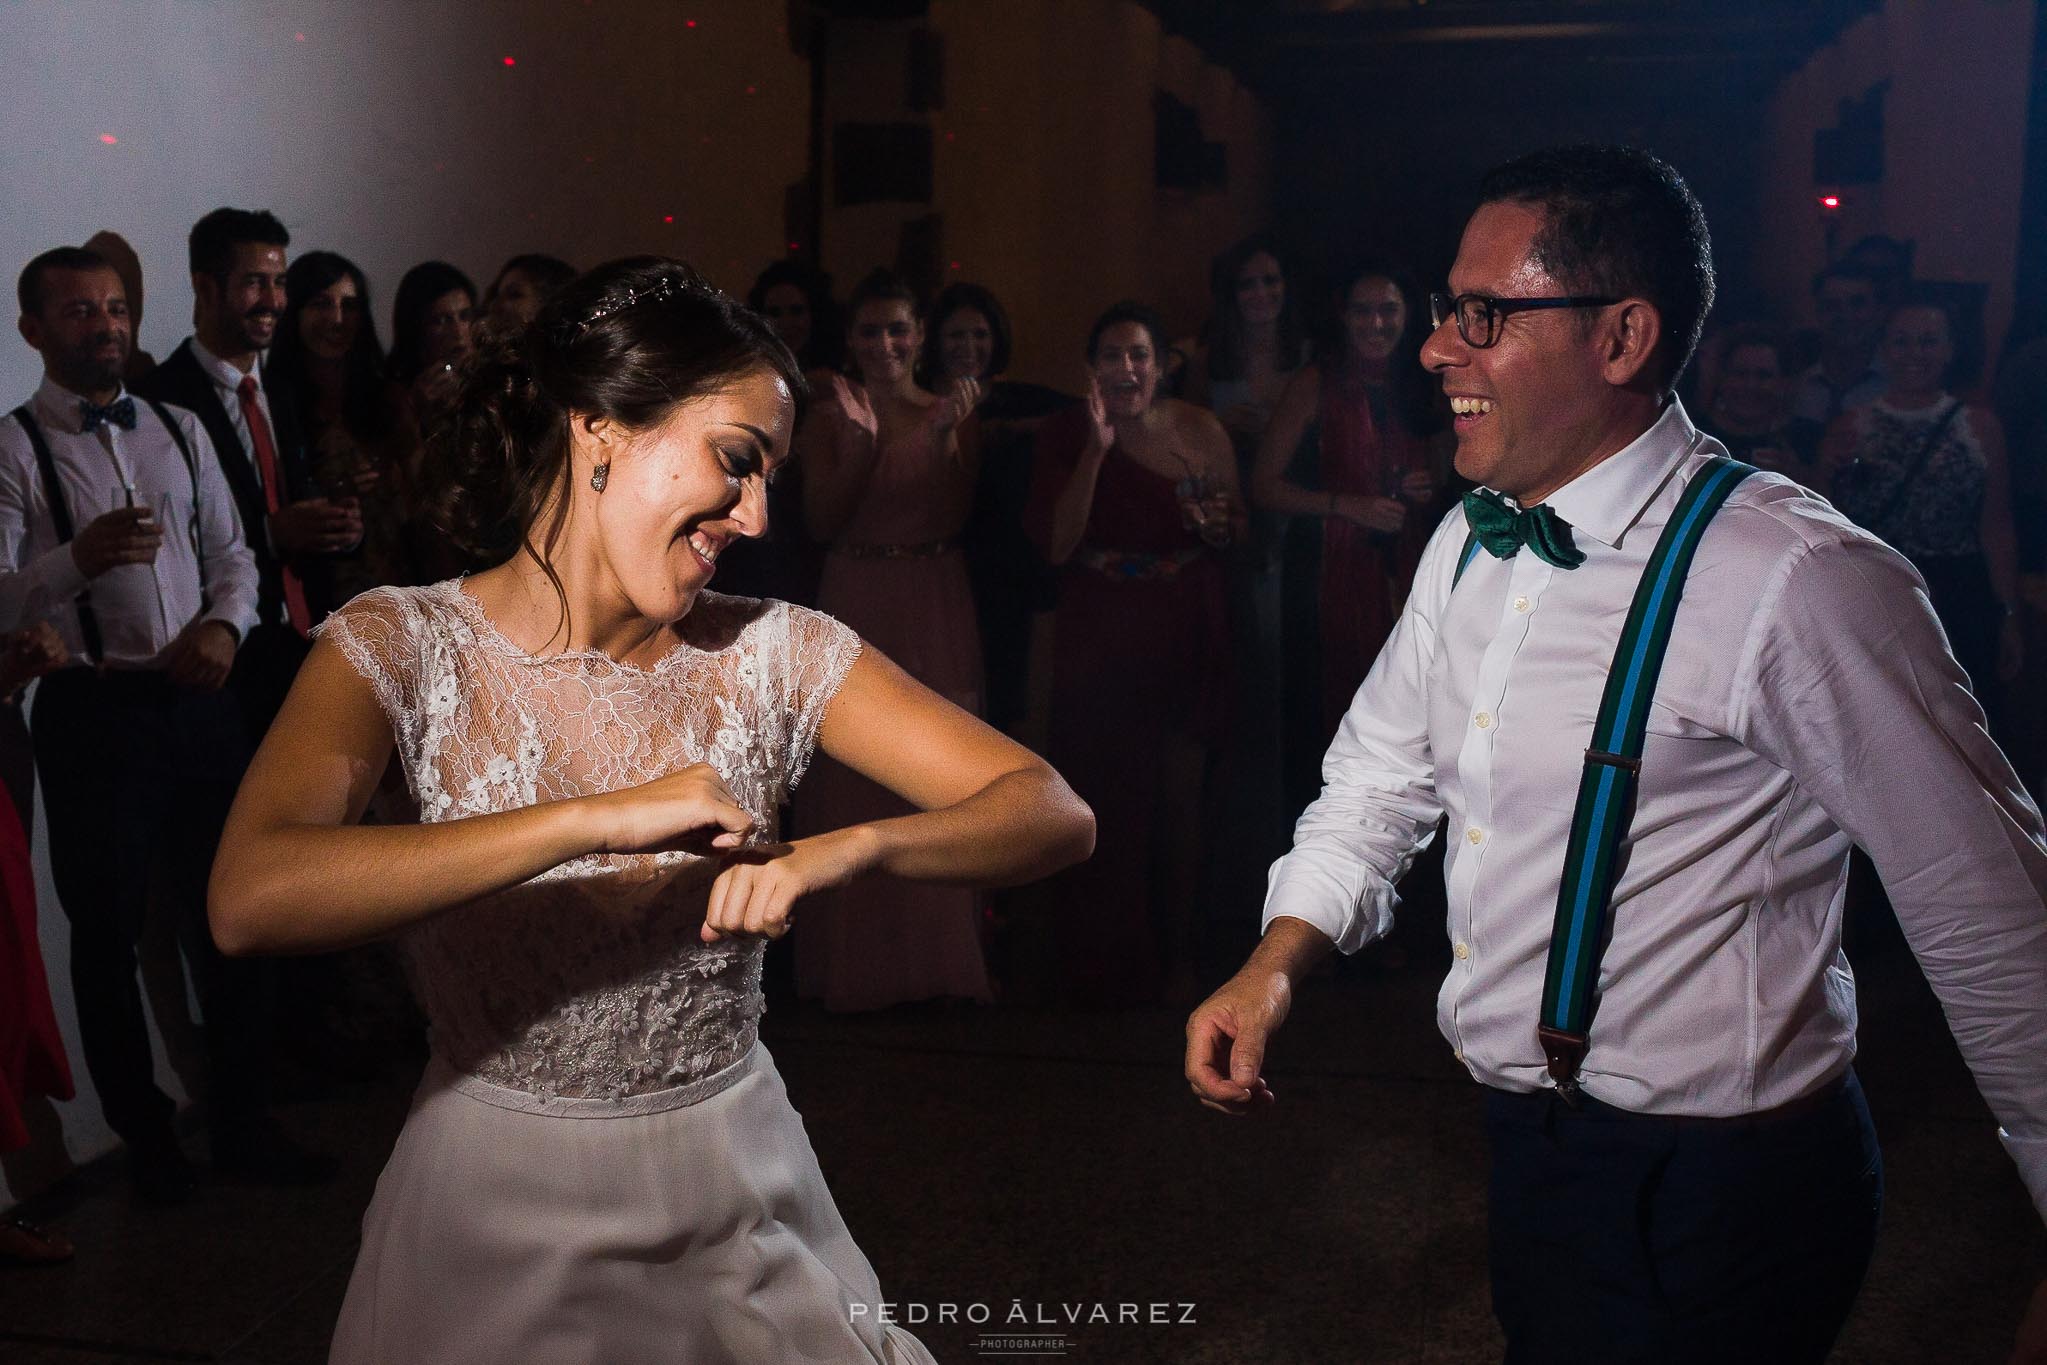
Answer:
(60, 508)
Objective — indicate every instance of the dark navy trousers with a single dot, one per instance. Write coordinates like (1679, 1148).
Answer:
(1619, 1238)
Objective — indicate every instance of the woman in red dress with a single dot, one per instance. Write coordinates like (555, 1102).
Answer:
(1132, 497)
(1347, 460)
(32, 1059)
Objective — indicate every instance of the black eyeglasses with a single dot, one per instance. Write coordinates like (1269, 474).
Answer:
(1478, 315)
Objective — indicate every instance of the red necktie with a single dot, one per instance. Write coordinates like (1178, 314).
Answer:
(273, 495)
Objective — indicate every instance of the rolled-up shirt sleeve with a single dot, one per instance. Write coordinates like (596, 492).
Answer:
(1378, 806)
(227, 564)
(1848, 684)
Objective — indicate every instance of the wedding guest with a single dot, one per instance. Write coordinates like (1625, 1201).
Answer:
(1849, 373)
(237, 258)
(1252, 343)
(328, 359)
(1751, 411)
(522, 285)
(969, 339)
(114, 249)
(601, 1159)
(117, 525)
(1347, 461)
(888, 491)
(796, 299)
(32, 1062)
(432, 333)
(1927, 472)
(1133, 498)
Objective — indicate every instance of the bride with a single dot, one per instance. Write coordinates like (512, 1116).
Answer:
(601, 1162)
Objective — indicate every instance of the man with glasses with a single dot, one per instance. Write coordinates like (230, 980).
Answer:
(1648, 980)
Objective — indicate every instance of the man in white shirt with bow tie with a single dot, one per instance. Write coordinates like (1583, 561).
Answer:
(118, 526)
(1695, 1176)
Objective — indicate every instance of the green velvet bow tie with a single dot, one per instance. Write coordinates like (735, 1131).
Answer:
(1503, 530)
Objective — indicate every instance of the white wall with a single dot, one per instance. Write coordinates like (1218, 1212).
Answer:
(393, 132)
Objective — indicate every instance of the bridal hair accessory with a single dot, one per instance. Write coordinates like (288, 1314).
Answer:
(684, 284)
(600, 475)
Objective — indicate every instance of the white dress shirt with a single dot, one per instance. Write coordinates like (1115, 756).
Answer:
(227, 381)
(1815, 399)
(1808, 702)
(203, 570)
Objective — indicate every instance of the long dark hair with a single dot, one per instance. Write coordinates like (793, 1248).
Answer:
(630, 341)
(952, 299)
(365, 407)
(422, 284)
(827, 345)
(1414, 398)
(1225, 333)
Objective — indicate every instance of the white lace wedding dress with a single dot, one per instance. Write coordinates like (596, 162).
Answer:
(601, 1163)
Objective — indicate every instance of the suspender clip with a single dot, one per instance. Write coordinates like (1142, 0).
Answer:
(1563, 1051)
(1633, 765)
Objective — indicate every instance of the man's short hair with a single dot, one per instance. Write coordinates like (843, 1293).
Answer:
(211, 247)
(1620, 222)
(29, 288)
(1851, 272)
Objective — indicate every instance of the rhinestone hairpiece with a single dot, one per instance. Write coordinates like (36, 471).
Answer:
(666, 288)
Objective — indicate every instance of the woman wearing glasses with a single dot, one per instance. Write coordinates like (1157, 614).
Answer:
(1347, 459)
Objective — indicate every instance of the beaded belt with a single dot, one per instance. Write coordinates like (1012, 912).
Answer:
(1134, 565)
(930, 549)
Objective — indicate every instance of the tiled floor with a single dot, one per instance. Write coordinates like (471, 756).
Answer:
(1035, 1161)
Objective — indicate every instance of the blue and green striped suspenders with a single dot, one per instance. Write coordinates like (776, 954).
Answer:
(1613, 769)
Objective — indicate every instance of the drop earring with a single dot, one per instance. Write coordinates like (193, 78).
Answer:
(600, 475)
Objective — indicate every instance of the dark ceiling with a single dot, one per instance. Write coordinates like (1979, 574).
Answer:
(1387, 112)
(1296, 50)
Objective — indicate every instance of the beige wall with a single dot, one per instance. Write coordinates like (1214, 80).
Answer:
(1046, 180)
(1954, 132)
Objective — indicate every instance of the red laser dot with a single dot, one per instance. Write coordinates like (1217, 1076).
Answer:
(794, 246)
(667, 217)
(948, 137)
(109, 139)
(509, 61)
(689, 23)
(298, 37)
(955, 265)
(749, 90)
(1831, 201)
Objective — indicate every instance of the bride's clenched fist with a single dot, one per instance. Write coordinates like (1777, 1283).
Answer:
(761, 885)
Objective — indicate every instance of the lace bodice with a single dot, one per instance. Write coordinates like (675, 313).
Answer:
(590, 980)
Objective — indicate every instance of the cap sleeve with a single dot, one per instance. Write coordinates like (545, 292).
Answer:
(820, 651)
(379, 633)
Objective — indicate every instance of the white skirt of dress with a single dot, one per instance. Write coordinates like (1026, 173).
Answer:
(688, 1226)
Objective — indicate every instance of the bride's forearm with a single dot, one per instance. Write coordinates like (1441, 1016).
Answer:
(308, 888)
(1022, 826)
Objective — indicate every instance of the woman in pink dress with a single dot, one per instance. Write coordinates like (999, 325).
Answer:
(888, 487)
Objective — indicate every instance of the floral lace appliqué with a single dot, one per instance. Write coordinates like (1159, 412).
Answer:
(590, 980)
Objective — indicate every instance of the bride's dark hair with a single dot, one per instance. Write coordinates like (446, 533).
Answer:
(630, 341)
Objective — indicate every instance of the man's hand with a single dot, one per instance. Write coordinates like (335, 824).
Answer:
(315, 526)
(28, 654)
(1226, 1038)
(2031, 1346)
(201, 657)
(126, 535)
